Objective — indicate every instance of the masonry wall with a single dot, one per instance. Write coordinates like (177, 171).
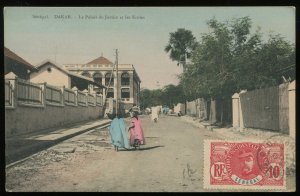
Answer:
(32, 107)
(191, 108)
(270, 108)
(260, 108)
(24, 119)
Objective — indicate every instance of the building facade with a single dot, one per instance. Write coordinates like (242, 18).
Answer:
(17, 65)
(102, 71)
(54, 75)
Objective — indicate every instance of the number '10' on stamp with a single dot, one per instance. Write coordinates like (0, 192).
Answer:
(244, 165)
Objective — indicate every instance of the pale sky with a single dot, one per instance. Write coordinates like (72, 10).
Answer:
(140, 41)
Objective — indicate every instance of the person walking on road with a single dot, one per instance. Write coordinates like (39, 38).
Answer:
(123, 128)
(154, 113)
(136, 131)
(119, 137)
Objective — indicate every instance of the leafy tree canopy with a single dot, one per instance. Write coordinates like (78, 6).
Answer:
(169, 95)
(181, 44)
(229, 58)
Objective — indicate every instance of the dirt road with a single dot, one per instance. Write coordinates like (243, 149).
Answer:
(171, 160)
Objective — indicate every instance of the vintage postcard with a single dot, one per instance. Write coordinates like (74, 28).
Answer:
(150, 99)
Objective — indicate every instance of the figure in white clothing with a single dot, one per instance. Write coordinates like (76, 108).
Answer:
(154, 114)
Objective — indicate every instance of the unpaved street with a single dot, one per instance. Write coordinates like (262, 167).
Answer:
(171, 160)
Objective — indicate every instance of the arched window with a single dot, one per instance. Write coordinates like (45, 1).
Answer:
(98, 77)
(125, 93)
(110, 93)
(107, 78)
(125, 79)
(86, 74)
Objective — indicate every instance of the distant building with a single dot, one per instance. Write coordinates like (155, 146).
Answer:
(55, 75)
(16, 64)
(101, 70)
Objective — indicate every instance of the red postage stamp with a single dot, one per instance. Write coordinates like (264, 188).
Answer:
(244, 165)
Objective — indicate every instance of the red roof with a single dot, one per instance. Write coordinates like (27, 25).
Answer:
(8, 53)
(101, 60)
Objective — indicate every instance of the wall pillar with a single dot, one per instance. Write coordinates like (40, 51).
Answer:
(95, 96)
(241, 118)
(62, 90)
(235, 110)
(43, 87)
(292, 109)
(13, 81)
(213, 111)
(75, 89)
(86, 92)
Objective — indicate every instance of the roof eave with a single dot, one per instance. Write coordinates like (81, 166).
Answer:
(27, 65)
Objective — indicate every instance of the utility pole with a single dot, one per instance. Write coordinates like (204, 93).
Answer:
(117, 81)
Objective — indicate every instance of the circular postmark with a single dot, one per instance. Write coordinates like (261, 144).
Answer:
(262, 157)
(270, 158)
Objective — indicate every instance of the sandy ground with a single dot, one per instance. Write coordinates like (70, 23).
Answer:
(171, 161)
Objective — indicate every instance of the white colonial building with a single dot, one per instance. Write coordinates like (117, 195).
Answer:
(102, 72)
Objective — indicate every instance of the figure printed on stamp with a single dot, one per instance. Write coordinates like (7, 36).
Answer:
(248, 166)
(245, 164)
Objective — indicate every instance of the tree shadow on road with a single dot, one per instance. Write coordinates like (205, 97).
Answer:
(146, 148)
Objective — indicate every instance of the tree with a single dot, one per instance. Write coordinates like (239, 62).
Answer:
(145, 100)
(230, 58)
(181, 44)
(151, 97)
(276, 62)
(211, 60)
(172, 95)
(168, 95)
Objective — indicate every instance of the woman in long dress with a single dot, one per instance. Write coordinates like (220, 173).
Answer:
(136, 130)
(123, 128)
(118, 133)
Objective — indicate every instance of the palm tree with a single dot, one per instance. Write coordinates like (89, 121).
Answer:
(181, 45)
